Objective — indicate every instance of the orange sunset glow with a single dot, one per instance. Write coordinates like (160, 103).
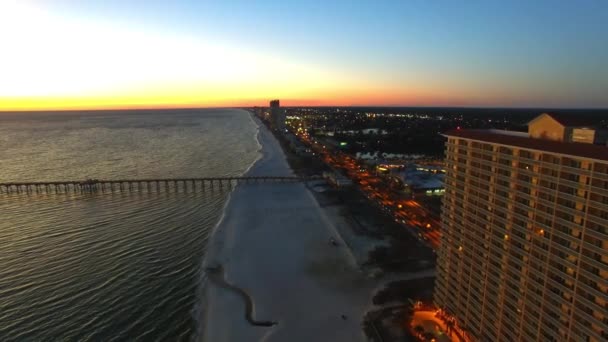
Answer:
(55, 58)
(57, 63)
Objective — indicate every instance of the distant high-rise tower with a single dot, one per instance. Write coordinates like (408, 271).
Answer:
(524, 250)
(277, 115)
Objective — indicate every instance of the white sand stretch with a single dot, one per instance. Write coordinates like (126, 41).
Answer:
(273, 244)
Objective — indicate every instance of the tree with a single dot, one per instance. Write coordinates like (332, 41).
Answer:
(449, 325)
(419, 330)
(428, 336)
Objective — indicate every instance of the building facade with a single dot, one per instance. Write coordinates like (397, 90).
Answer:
(566, 129)
(524, 250)
(277, 115)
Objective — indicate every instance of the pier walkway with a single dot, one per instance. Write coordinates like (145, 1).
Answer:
(102, 185)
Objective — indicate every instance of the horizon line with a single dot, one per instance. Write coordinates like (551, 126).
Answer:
(3, 111)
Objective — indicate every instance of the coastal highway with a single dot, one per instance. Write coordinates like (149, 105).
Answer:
(407, 212)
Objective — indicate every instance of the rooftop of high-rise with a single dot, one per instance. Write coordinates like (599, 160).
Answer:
(548, 132)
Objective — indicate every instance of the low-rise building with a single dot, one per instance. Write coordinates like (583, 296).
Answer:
(296, 145)
(337, 179)
(426, 180)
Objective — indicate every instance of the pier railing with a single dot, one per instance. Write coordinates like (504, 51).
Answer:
(102, 185)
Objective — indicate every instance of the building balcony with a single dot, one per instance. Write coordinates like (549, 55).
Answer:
(574, 170)
(598, 233)
(599, 175)
(598, 190)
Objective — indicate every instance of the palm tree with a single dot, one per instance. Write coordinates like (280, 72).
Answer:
(449, 325)
(428, 336)
(419, 330)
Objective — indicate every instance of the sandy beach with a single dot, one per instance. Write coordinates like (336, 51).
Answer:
(273, 245)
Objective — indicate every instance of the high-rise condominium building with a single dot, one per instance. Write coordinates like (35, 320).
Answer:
(524, 251)
(277, 115)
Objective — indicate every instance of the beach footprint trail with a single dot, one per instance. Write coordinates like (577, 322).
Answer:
(216, 275)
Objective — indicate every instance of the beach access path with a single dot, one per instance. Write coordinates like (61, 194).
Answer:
(273, 244)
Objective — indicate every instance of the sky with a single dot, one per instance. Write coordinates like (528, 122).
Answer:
(148, 54)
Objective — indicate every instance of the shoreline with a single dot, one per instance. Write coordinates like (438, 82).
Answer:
(273, 245)
(223, 313)
(203, 302)
(199, 311)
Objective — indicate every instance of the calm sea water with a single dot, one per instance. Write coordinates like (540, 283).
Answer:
(113, 266)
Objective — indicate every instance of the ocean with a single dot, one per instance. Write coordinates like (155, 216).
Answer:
(115, 266)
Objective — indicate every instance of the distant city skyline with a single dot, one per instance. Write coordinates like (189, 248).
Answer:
(62, 54)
